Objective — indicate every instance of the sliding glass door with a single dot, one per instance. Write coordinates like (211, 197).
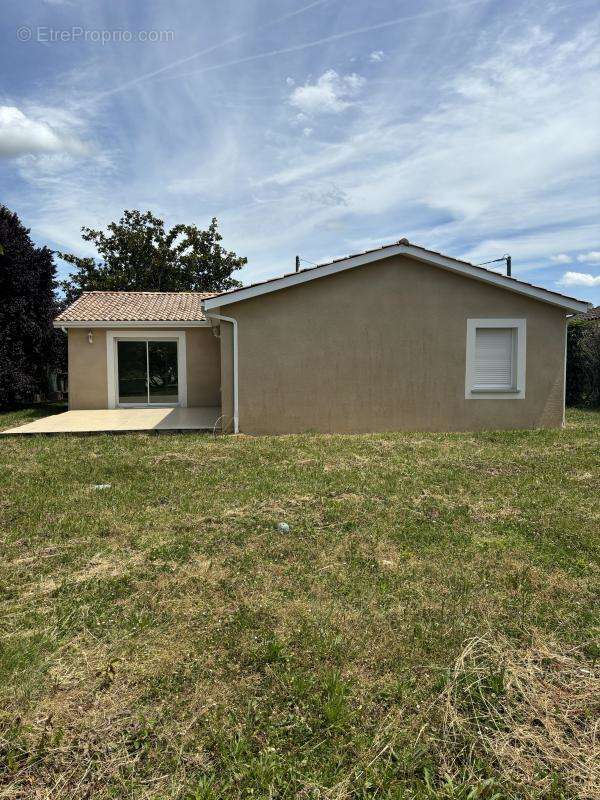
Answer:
(133, 372)
(147, 372)
(162, 372)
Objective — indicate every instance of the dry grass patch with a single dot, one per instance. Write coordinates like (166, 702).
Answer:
(533, 712)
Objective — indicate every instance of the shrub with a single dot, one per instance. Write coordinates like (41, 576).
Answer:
(583, 363)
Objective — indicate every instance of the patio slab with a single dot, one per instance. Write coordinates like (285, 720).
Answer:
(121, 420)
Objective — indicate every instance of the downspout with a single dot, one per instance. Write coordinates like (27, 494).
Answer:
(221, 318)
(564, 419)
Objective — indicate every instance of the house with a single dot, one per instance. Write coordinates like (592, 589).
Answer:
(396, 338)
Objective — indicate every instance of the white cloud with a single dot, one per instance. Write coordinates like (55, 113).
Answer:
(579, 279)
(331, 93)
(307, 131)
(376, 55)
(21, 135)
(561, 258)
(458, 149)
(473, 161)
(592, 257)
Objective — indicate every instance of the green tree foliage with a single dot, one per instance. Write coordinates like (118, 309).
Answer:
(583, 363)
(28, 343)
(137, 253)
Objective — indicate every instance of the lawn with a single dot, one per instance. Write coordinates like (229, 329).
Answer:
(161, 638)
(20, 415)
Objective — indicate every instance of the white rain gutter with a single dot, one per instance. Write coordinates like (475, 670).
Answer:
(564, 418)
(221, 318)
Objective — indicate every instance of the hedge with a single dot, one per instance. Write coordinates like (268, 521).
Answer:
(583, 363)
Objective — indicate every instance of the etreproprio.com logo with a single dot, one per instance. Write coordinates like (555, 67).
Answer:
(77, 33)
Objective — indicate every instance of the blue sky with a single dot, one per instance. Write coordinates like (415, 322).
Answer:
(318, 127)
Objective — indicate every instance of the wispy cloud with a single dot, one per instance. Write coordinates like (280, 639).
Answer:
(326, 40)
(579, 279)
(471, 134)
(140, 79)
(477, 157)
(589, 258)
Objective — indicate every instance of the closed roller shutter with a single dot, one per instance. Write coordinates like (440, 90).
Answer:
(494, 358)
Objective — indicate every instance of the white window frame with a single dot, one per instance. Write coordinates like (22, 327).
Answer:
(519, 327)
(113, 336)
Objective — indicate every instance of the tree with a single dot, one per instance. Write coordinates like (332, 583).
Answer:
(138, 254)
(27, 307)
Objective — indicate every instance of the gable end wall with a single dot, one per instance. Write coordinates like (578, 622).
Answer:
(383, 347)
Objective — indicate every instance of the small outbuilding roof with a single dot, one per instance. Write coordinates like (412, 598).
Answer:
(593, 313)
(103, 307)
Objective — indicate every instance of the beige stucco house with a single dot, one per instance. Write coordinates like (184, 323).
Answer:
(396, 338)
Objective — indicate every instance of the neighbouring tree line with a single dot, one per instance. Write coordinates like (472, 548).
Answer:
(137, 253)
(29, 346)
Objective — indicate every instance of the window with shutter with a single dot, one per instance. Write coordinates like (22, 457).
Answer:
(495, 359)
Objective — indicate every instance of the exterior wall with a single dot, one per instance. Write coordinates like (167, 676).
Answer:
(383, 347)
(88, 386)
(87, 369)
(203, 367)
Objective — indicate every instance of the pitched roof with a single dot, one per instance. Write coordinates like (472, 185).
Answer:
(402, 247)
(136, 307)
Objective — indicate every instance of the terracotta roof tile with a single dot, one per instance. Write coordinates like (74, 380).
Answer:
(593, 313)
(136, 307)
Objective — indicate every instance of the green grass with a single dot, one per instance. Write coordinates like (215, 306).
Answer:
(20, 415)
(161, 639)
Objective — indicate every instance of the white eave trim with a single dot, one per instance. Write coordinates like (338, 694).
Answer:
(135, 324)
(496, 279)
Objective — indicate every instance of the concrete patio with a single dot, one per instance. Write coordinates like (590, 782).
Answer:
(122, 420)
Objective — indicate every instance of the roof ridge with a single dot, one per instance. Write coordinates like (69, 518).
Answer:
(404, 242)
(137, 291)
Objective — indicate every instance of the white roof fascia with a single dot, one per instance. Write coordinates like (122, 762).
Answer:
(133, 324)
(428, 257)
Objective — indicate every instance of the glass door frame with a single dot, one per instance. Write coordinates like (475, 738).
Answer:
(112, 364)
